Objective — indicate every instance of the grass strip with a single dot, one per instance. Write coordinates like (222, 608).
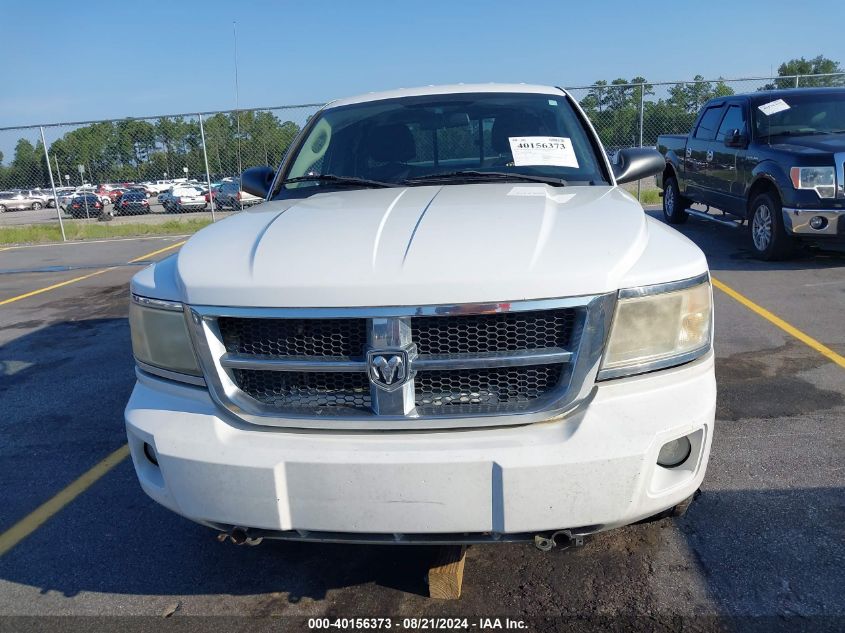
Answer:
(43, 233)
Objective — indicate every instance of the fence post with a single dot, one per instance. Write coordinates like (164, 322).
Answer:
(642, 124)
(53, 183)
(797, 77)
(207, 174)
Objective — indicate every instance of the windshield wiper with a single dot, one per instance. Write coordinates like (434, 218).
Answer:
(470, 174)
(339, 180)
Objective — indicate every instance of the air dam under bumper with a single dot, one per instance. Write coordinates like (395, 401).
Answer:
(595, 467)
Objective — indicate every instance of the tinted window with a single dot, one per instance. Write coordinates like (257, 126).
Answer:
(820, 112)
(706, 130)
(734, 120)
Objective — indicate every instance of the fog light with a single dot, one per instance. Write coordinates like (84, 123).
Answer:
(674, 453)
(150, 454)
(818, 222)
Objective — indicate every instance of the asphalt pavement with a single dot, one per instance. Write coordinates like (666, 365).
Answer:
(763, 543)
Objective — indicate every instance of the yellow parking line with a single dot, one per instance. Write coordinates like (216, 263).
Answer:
(808, 340)
(88, 276)
(54, 286)
(35, 519)
(158, 252)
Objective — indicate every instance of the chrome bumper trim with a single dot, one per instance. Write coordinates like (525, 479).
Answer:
(797, 221)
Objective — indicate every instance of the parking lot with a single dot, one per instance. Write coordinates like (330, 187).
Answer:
(157, 214)
(765, 540)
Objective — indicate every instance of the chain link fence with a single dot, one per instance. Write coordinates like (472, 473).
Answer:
(175, 173)
(165, 174)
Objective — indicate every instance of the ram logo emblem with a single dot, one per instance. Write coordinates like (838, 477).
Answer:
(388, 369)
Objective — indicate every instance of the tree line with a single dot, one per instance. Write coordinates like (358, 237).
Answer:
(135, 150)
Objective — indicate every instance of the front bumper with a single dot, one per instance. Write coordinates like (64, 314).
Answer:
(797, 222)
(594, 469)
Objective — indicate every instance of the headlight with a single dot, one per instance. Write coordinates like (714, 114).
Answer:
(820, 179)
(659, 326)
(160, 336)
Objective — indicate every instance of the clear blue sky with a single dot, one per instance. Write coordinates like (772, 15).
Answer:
(71, 60)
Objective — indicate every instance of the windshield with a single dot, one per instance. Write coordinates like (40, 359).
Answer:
(445, 139)
(801, 114)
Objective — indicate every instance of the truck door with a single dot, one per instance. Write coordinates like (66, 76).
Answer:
(725, 173)
(699, 154)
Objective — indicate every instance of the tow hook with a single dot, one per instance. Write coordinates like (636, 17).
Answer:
(239, 536)
(562, 539)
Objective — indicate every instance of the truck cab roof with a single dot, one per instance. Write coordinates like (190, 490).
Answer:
(447, 89)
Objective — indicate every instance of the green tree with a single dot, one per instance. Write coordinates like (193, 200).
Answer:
(807, 68)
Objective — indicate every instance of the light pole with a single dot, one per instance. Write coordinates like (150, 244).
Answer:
(81, 169)
(185, 169)
(165, 175)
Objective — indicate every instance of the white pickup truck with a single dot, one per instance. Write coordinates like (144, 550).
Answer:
(447, 324)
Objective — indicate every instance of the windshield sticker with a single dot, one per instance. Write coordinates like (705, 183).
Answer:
(773, 107)
(543, 150)
(552, 102)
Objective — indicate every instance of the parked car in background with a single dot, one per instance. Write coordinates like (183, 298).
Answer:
(143, 189)
(773, 159)
(44, 196)
(231, 196)
(181, 199)
(116, 193)
(87, 205)
(20, 200)
(131, 203)
(67, 196)
(212, 195)
(158, 186)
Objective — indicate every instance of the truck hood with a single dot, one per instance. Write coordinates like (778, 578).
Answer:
(812, 144)
(416, 246)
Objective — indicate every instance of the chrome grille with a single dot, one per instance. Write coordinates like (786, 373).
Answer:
(501, 332)
(294, 337)
(456, 365)
(306, 391)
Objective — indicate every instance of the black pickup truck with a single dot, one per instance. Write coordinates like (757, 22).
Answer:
(775, 159)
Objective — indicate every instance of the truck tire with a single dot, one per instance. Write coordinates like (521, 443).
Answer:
(674, 204)
(769, 239)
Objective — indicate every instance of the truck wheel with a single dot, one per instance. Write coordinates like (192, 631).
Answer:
(769, 239)
(674, 204)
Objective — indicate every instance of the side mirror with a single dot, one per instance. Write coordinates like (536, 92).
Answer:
(735, 138)
(636, 163)
(257, 180)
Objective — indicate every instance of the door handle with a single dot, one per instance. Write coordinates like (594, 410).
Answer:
(709, 155)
